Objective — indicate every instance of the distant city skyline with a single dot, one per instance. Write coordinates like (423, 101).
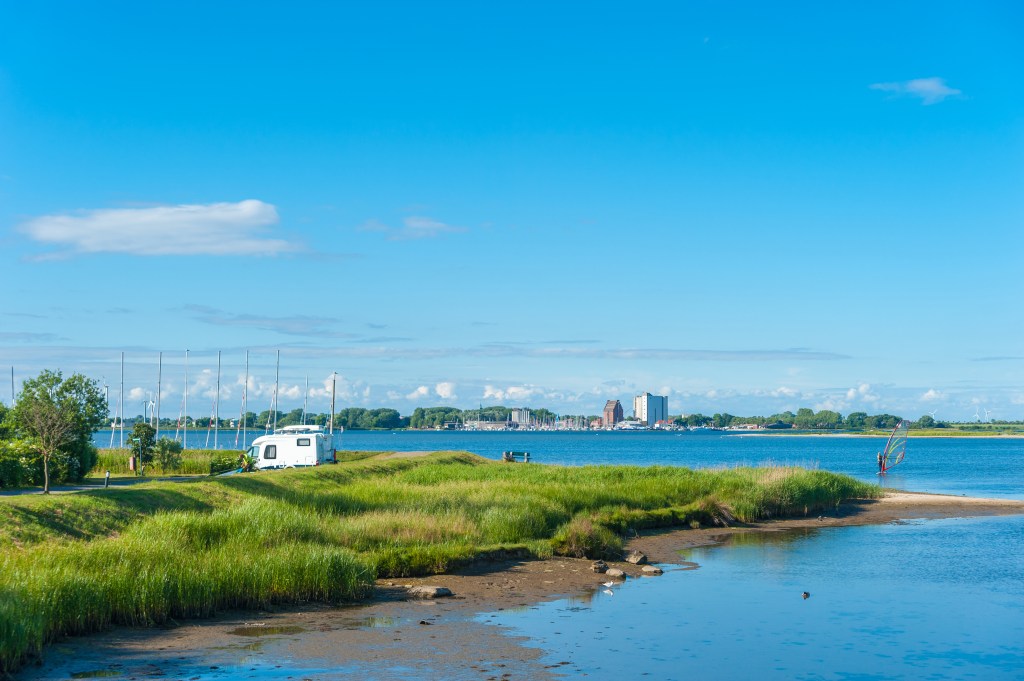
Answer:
(744, 209)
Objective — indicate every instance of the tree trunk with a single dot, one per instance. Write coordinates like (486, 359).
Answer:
(46, 474)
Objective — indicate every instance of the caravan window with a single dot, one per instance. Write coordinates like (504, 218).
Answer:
(270, 452)
(302, 442)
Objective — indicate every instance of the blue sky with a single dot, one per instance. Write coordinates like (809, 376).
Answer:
(749, 207)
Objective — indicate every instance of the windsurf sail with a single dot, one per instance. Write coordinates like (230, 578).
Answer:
(896, 447)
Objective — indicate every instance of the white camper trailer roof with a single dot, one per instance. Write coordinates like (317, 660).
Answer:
(292, 430)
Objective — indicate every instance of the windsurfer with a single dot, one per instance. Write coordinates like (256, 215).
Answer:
(880, 461)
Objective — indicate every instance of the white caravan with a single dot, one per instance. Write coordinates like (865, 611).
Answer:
(292, 446)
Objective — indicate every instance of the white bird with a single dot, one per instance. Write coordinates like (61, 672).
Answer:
(609, 592)
(609, 584)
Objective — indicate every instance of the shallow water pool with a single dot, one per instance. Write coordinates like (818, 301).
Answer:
(937, 599)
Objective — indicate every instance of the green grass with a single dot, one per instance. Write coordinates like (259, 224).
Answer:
(193, 462)
(156, 551)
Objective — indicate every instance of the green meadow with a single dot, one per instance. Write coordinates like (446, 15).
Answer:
(159, 551)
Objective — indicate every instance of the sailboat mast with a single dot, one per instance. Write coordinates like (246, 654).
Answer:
(277, 383)
(120, 402)
(184, 437)
(305, 399)
(159, 376)
(245, 391)
(216, 407)
(334, 382)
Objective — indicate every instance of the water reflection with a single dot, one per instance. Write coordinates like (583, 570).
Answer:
(932, 599)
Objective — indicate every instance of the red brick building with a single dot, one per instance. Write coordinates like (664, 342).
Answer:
(612, 413)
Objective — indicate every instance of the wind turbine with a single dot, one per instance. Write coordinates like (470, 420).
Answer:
(987, 412)
(932, 413)
(977, 416)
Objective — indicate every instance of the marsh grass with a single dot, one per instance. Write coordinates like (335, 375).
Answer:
(193, 462)
(158, 550)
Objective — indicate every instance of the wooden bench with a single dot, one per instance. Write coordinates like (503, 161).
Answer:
(512, 457)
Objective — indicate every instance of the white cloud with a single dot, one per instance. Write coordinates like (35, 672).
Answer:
(929, 90)
(413, 227)
(931, 395)
(418, 393)
(861, 393)
(446, 390)
(210, 229)
(345, 390)
(516, 393)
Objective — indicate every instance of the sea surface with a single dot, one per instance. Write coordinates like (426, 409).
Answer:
(916, 599)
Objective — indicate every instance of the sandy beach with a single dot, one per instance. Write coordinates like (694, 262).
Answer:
(441, 638)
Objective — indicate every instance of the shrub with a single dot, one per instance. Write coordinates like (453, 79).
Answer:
(17, 459)
(168, 454)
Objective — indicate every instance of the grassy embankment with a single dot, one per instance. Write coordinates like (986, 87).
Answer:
(76, 563)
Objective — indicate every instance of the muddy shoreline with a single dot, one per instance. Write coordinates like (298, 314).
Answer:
(393, 636)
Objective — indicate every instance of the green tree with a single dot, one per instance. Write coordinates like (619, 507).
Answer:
(60, 416)
(141, 442)
(696, 420)
(857, 419)
(804, 418)
(5, 423)
(827, 419)
(267, 419)
(435, 417)
(882, 421)
(786, 417)
(292, 418)
(925, 421)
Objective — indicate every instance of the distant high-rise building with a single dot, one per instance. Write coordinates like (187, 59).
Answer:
(521, 416)
(650, 408)
(612, 412)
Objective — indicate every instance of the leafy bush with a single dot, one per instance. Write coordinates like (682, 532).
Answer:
(222, 462)
(168, 454)
(18, 461)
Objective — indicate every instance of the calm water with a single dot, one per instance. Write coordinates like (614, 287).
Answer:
(991, 467)
(940, 599)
